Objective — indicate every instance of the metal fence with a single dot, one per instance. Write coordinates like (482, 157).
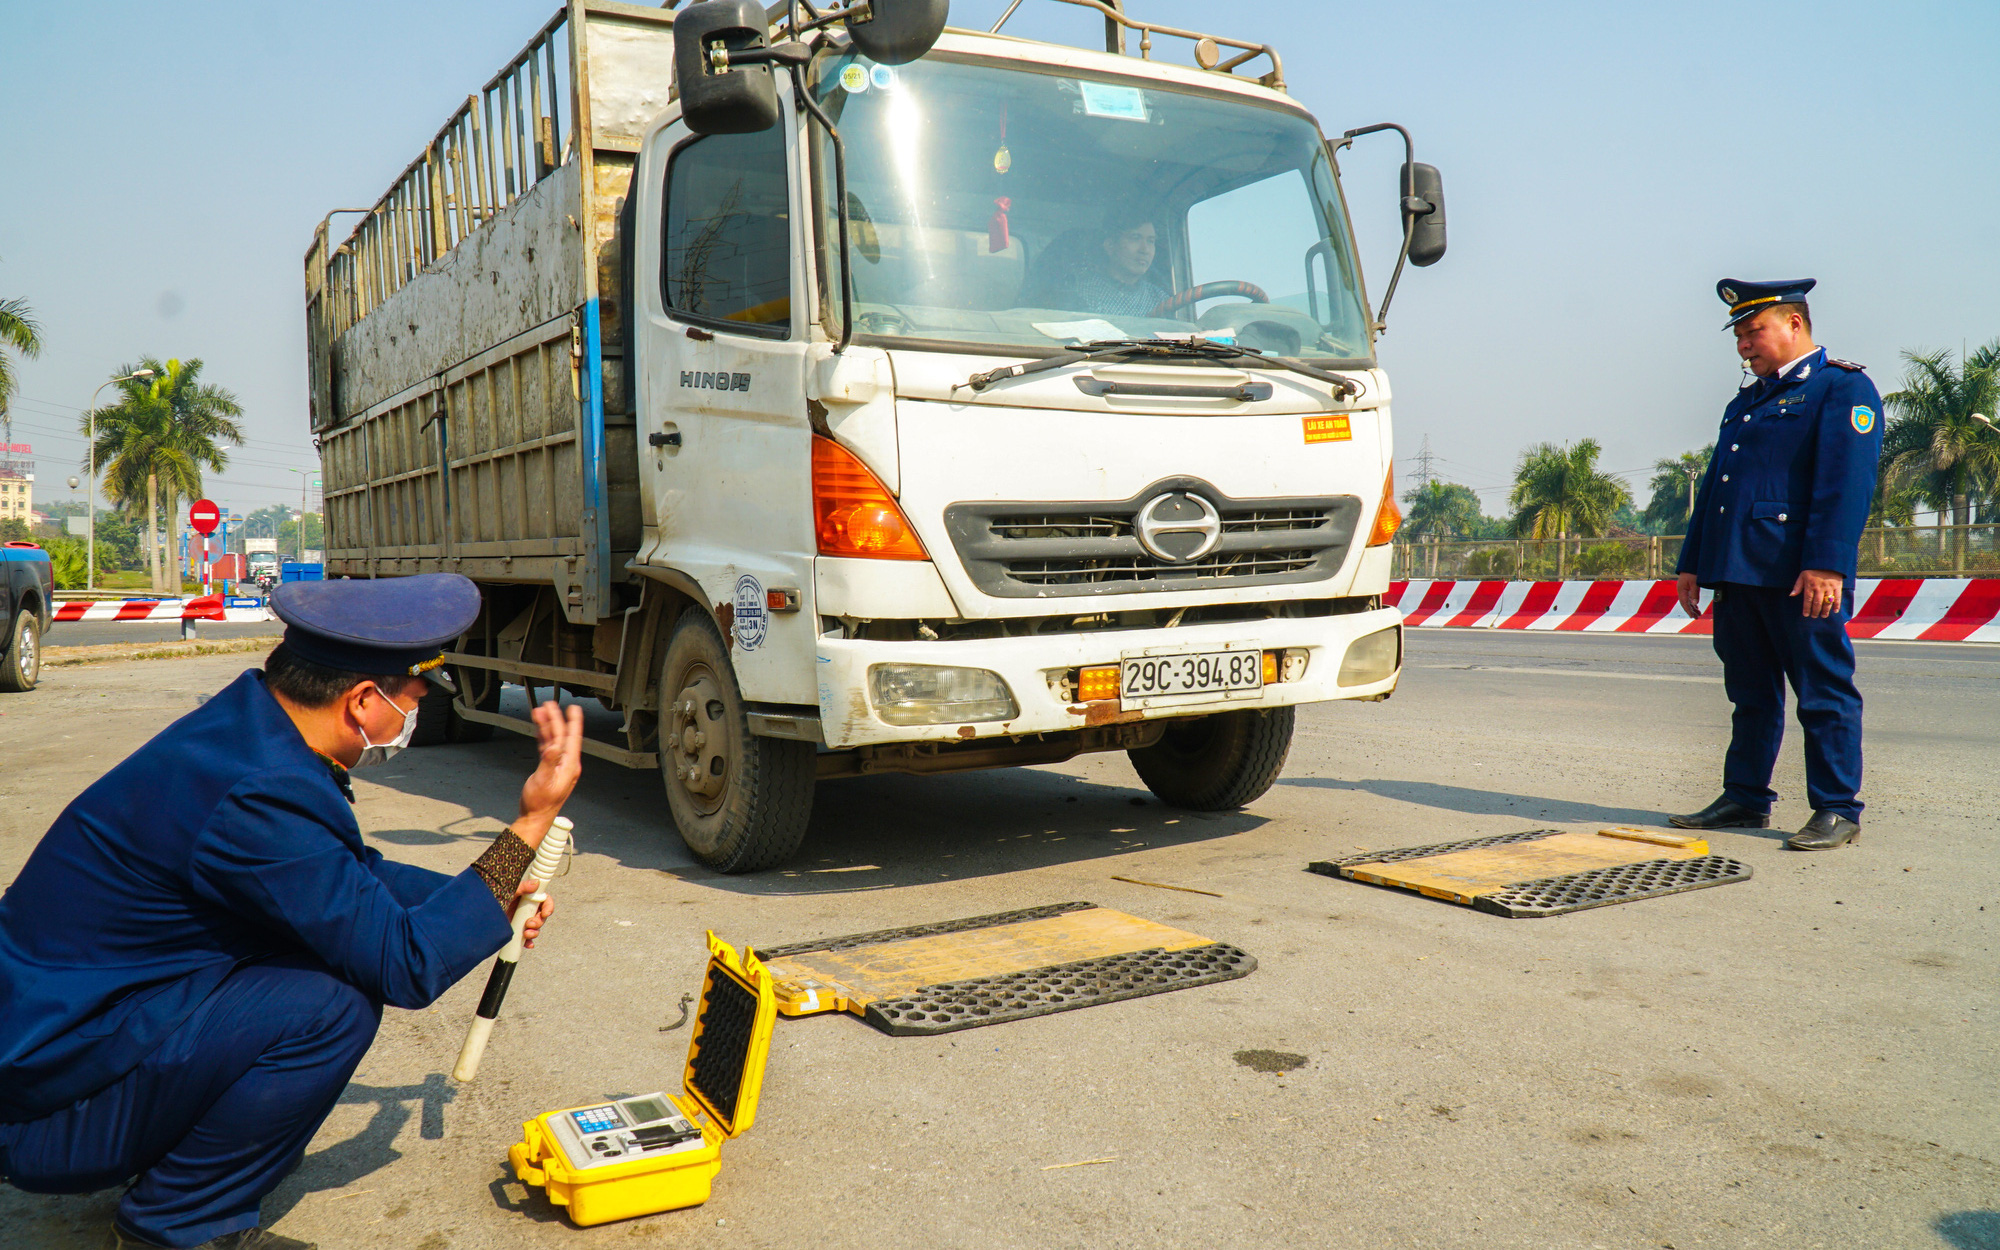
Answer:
(515, 131)
(1893, 551)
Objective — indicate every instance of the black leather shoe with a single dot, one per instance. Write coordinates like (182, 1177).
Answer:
(1825, 832)
(1724, 814)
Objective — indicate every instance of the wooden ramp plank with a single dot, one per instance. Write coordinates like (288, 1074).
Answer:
(851, 979)
(1462, 876)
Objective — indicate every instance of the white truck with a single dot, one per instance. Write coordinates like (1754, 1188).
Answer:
(836, 392)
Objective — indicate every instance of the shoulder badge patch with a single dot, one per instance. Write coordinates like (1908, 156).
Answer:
(1863, 418)
(1846, 364)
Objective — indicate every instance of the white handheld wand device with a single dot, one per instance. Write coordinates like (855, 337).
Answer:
(548, 857)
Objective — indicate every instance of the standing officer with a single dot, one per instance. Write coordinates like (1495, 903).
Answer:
(1775, 531)
(196, 956)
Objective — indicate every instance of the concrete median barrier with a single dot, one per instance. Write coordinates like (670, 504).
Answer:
(1934, 609)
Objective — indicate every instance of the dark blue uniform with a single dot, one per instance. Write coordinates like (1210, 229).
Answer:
(1788, 489)
(193, 962)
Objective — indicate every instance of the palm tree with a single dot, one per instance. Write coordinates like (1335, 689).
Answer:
(1673, 487)
(20, 332)
(1559, 492)
(1933, 447)
(161, 434)
(1439, 510)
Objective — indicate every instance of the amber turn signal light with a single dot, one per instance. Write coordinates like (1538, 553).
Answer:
(1097, 683)
(1388, 517)
(853, 513)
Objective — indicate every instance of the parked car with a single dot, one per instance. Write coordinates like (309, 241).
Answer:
(27, 598)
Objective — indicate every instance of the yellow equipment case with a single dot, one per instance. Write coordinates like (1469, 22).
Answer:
(636, 1156)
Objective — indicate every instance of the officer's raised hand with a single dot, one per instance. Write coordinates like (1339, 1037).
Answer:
(559, 734)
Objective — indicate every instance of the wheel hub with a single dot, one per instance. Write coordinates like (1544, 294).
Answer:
(28, 656)
(697, 740)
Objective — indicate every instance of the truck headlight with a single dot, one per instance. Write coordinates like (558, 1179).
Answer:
(1371, 658)
(935, 694)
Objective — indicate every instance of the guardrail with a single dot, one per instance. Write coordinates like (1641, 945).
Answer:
(1960, 609)
(240, 609)
(1897, 551)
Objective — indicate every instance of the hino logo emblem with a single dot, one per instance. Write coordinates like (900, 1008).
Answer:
(1178, 527)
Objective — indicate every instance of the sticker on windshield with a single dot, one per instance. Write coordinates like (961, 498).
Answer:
(1103, 99)
(1090, 330)
(1333, 429)
(751, 620)
(882, 77)
(854, 78)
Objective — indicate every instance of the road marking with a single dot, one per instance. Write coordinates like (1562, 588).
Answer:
(1575, 672)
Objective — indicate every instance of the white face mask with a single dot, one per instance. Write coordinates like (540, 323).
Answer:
(379, 753)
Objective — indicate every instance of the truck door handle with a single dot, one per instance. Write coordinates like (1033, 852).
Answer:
(664, 440)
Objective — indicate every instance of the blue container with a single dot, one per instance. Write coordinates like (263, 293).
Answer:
(292, 571)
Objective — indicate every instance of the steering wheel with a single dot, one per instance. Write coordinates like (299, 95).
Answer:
(1209, 290)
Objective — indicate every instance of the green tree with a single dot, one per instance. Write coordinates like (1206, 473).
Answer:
(1440, 510)
(154, 443)
(1933, 444)
(1673, 485)
(265, 522)
(19, 332)
(1559, 493)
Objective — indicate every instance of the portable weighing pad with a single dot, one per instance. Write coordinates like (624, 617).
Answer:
(659, 1152)
(959, 974)
(1546, 872)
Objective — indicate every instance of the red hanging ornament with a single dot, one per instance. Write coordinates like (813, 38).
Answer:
(996, 227)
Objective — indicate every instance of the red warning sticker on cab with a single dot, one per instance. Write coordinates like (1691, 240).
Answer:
(1333, 429)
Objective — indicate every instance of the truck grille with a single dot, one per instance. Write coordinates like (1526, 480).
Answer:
(1028, 550)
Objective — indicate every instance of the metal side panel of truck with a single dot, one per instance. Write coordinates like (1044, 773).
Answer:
(596, 362)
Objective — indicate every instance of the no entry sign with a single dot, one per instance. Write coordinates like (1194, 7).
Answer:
(204, 516)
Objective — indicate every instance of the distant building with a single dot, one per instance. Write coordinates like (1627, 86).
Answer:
(17, 495)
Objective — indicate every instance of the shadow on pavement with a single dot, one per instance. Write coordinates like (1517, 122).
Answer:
(1485, 802)
(1970, 1230)
(867, 833)
(370, 1149)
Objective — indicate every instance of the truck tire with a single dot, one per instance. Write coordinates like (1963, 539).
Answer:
(1217, 762)
(433, 711)
(740, 802)
(21, 667)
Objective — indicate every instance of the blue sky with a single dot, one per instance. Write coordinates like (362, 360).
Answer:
(162, 166)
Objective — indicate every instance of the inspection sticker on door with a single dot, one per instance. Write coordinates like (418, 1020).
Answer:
(1142, 677)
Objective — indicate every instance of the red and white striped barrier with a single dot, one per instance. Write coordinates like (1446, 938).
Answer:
(204, 608)
(1927, 609)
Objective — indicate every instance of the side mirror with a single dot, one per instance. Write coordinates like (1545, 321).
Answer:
(896, 32)
(1423, 212)
(717, 99)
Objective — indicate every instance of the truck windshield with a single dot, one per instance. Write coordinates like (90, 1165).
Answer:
(999, 206)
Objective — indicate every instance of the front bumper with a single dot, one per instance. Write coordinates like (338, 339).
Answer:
(1032, 666)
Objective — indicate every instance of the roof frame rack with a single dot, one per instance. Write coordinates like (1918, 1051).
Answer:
(1207, 48)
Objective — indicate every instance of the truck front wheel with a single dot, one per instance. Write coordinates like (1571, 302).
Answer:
(741, 802)
(21, 666)
(1217, 762)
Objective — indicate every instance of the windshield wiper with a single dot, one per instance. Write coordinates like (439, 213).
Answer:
(1160, 349)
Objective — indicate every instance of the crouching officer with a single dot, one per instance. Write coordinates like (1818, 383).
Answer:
(196, 956)
(1775, 531)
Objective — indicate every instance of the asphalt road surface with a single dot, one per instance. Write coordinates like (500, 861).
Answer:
(1807, 1059)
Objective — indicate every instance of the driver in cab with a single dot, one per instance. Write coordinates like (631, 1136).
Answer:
(1114, 278)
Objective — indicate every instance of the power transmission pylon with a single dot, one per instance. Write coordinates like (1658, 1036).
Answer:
(1423, 475)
